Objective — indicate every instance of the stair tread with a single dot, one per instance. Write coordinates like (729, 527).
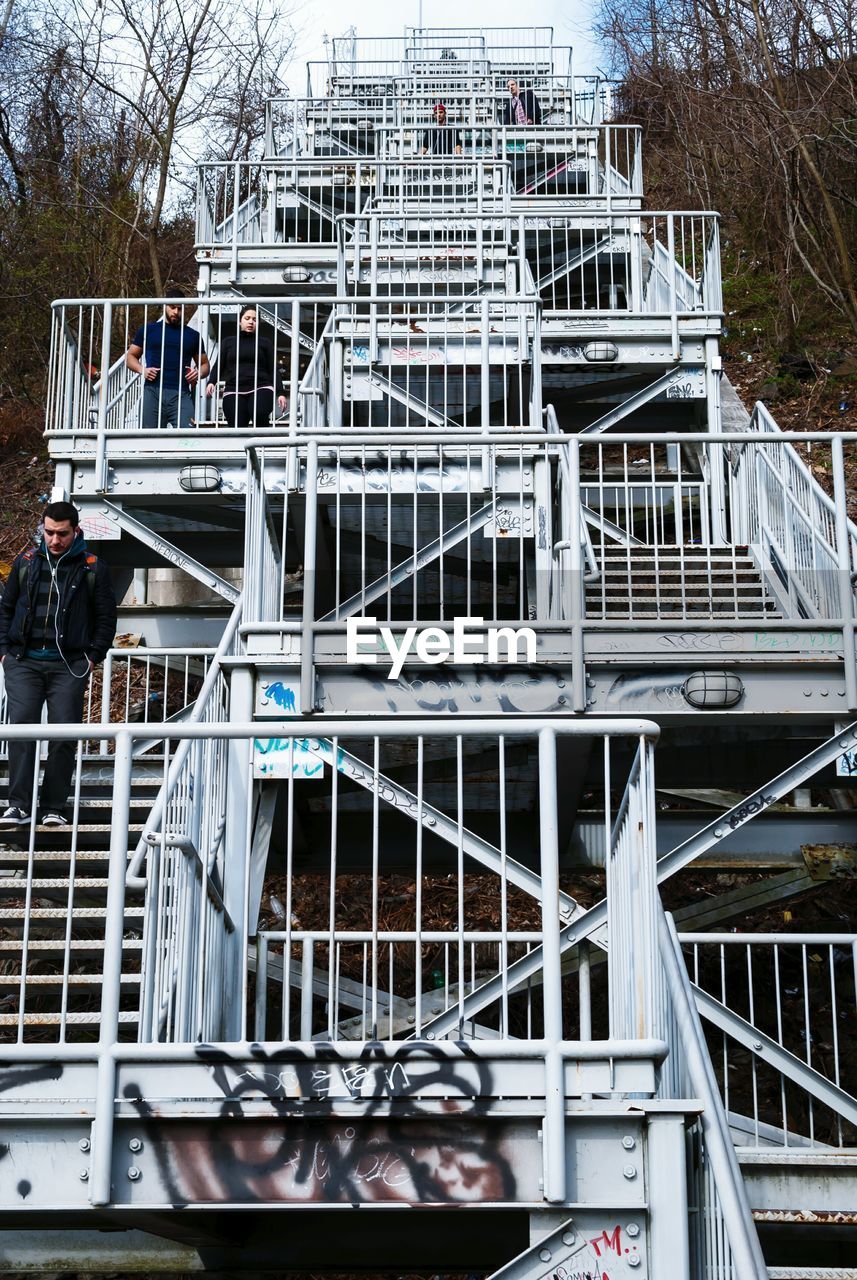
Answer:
(73, 944)
(57, 979)
(53, 855)
(61, 913)
(54, 1019)
(17, 884)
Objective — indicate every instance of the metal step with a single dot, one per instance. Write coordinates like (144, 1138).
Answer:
(56, 1019)
(53, 981)
(83, 946)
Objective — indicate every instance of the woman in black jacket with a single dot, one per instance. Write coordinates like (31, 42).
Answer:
(245, 365)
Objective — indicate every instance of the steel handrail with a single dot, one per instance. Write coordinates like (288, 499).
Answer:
(156, 815)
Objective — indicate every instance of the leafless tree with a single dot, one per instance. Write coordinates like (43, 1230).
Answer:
(753, 104)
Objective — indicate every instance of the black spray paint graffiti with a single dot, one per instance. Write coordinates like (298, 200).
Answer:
(310, 1153)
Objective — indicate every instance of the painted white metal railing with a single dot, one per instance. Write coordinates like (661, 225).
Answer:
(177, 812)
(186, 929)
(780, 1009)
(723, 1240)
(587, 534)
(799, 532)
(612, 264)
(360, 977)
(632, 903)
(105, 329)
(154, 685)
(298, 201)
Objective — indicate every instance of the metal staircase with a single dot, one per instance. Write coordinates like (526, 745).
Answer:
(54, 884)
(459, 649)
(668, 582)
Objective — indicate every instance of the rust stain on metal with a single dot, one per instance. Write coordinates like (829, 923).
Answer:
(821, 1217)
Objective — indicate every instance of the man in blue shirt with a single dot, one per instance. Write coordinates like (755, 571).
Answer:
(171, 357)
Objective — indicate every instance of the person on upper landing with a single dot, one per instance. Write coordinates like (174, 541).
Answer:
(522, 106)
(245, 365)
(57, 620)
(171, 357)
(440, 140)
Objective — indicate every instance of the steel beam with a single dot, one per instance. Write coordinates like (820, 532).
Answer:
(420, 407)
(171, 553)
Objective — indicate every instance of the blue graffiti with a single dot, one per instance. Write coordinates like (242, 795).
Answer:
(283, 695)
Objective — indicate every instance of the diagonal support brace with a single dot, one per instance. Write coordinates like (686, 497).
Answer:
(438, 823)
(592, 923)
(407, 568)
(770, 1051)
(171, 553)
(637, 400)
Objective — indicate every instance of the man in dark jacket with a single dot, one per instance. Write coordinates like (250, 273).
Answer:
(522, 107)
(57, 620)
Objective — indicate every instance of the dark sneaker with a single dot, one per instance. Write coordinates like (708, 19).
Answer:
(14, 817)
(54, 820)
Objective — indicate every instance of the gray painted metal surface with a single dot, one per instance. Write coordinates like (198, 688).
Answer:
(462, 341)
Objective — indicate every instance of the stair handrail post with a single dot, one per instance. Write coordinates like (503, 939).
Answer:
(105, 1089)
(843, 556)
(608, 180)
(233, 260)
(553, 1132)
(535, 364)
(307, 678)
(577, 608)
(106, 684)
(715, 453)
(676, 345)
(747, 1257)
(101, 446)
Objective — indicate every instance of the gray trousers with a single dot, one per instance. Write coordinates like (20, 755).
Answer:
(29, 685)
(166, 406)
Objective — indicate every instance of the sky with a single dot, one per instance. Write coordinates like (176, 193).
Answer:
(569, 19)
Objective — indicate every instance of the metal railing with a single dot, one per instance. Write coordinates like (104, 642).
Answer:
(614, 263)
(422, 926)
(154, 685)
(798, 530)
(479, 100)
(632, 903)
(587, 534)
(553, 163)
(96, 334)
(434, 850)
(176, 814)
(442, 77)
(296, 203)
(781, 1009)
(723, 1240)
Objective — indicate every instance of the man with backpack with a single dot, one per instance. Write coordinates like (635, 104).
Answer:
(57, 620)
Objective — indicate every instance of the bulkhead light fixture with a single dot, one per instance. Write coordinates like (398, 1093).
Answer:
(712, 690)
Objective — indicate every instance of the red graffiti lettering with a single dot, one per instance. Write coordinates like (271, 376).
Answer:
(612, 1241)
